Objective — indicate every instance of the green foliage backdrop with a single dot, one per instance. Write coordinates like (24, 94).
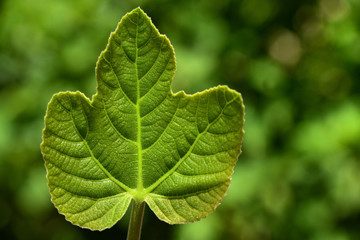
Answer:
(296, 64)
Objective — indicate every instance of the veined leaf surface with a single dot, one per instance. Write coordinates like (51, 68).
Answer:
(138, 140)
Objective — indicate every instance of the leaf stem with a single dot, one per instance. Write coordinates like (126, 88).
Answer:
(136, 219)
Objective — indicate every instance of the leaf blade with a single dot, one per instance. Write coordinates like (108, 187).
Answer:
(138, 140)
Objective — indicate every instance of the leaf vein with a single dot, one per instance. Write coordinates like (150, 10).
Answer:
(196, 193)
(107, 173)
(65, 154)
(153, 64)
(118, 80)
(113, 126)
(163, 132)
(62, 138)
(173, 169)
(123, 49)
(76, 176)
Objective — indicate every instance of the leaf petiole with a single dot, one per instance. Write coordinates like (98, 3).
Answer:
(136, 219)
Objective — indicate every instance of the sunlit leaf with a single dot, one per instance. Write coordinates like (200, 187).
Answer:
(137, 140)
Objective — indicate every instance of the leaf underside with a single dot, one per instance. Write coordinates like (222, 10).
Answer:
(137, 140)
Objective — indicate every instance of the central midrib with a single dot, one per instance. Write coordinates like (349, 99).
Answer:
(140, 186)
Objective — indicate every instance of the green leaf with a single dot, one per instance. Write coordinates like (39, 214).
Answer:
(137, 140)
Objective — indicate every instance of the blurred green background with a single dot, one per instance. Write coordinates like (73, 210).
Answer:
(296, 63)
